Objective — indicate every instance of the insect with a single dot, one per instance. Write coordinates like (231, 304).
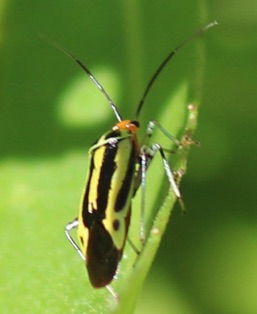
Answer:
(117, 168)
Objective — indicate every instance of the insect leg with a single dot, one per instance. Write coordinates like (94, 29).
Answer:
(111, 140)
(157, 147)
(150, 130)
(143, 169)
(169, 173)
(74, 224)
(71, 225)
(132, 245)
(146, 155)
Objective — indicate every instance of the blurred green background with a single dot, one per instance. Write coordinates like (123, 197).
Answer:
(207, 262)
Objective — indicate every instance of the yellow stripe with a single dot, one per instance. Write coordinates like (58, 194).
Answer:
(121, 159)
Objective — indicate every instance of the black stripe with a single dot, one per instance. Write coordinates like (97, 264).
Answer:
(87, 217)
(113, 134)
(126, 185)
(104, 182)
(107, 170)
(108, 159)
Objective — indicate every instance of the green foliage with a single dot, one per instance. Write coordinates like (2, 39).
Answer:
(207, 260)
(42, 175)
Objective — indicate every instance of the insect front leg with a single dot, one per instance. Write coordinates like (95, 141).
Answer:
(147, 152)
(151, 128)
(71, 225)
(150, 153)
(157, 147)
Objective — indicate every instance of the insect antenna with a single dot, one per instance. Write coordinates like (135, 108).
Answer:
(167, 59)
(96, 82)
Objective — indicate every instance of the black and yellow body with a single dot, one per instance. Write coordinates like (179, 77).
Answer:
(117, 168)
(106, 203)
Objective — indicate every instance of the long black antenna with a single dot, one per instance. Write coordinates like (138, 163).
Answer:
(71, 55)
(167, 59)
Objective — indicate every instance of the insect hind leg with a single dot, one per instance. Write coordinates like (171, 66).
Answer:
(72, 225)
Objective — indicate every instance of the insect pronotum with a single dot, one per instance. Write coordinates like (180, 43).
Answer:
(117, 168)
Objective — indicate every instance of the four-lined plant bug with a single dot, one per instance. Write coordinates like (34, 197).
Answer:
(117, 168)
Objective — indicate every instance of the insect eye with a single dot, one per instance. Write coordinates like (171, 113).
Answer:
(136, 123)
